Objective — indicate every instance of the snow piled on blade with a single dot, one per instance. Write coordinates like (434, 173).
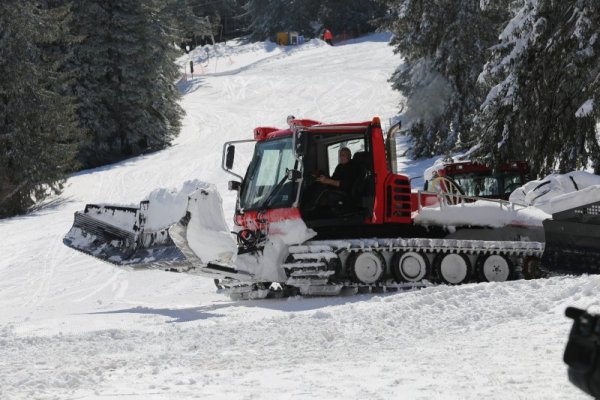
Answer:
(123, 219)
(208, 234)
(167, 206)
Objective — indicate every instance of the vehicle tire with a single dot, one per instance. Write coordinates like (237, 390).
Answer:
(494, 268)
(410, 266)
(367, 267)
(453, 269)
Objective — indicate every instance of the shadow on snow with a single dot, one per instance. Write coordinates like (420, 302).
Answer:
(285, 305)
(177, 314)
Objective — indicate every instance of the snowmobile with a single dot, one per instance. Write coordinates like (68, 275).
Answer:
(293, 235)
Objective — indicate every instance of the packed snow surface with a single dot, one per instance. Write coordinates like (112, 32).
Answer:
(73, 327)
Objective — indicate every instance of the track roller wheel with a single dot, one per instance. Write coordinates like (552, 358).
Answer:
(367, 267)
(494, 268)
(453, 268)
(410, 266)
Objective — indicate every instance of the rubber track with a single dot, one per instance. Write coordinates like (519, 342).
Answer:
(308, 262)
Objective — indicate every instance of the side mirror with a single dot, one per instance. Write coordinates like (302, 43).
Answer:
(229, 157)
(234, 185)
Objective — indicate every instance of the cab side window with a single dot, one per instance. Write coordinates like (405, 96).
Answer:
(333, 151)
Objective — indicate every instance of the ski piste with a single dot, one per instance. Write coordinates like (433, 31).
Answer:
(392, 237)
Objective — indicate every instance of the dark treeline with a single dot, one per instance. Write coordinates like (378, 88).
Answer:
(506, 79)
(38, 127)
(311, 17)
(83, 84)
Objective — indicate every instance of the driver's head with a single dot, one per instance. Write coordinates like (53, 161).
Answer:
(345, 155)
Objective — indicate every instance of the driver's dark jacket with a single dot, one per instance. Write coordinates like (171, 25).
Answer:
(347, 174)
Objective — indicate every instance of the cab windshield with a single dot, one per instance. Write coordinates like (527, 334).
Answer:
(486, 185)
(265, 184)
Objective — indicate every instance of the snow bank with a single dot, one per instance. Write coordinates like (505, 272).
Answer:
(557, 193)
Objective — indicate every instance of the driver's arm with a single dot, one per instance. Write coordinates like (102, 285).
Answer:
(328, 181)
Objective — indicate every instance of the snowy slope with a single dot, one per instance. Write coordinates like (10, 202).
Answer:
(74, 327)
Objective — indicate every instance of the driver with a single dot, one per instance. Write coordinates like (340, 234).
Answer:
(345, 173)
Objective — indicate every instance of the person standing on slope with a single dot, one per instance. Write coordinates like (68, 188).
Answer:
(328, 37)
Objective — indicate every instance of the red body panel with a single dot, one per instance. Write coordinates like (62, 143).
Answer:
(425, 200)
(254, 220)
(399, 202)
(466, 167)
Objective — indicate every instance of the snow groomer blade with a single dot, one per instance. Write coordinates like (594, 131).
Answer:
(116, 234)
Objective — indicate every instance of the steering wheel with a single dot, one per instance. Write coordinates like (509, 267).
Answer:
(449, 187)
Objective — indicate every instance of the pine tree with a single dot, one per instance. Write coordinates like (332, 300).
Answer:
(125, 79)
(267, 17)
(353, 17)
(187, 19)
(37, 130)
(444, 46)
(543, 87)
(230, 14)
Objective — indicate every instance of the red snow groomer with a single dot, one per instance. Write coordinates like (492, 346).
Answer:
(298, 231)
